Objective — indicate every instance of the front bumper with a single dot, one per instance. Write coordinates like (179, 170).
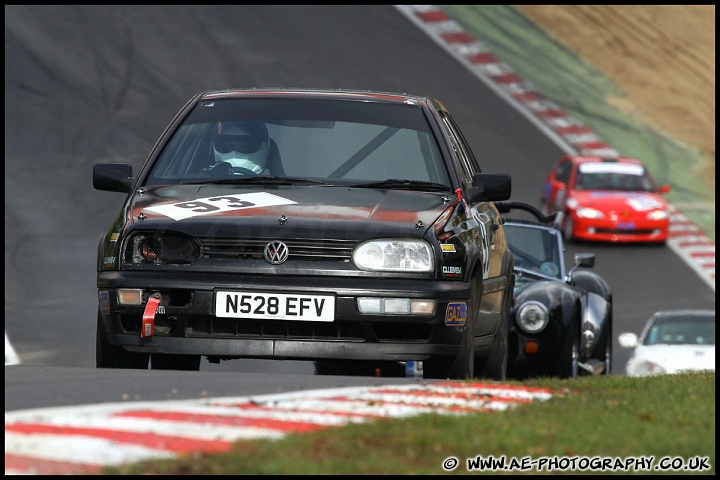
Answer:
(186, 323)
(621, 232)
(544, 356)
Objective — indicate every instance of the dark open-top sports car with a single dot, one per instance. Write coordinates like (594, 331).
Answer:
(561, 320)
(342, 227)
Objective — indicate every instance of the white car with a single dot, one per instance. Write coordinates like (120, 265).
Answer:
(672, 341)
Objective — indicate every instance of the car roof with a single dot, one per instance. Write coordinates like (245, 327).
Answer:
(684, 312)
(578, 159)
(315, 93)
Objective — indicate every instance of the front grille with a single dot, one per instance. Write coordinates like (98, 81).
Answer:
(402, 332)
(299, 249)
(209, 326)
(611, 231)
(254, 328)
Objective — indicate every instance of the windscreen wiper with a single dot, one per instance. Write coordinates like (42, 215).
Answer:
(405, 184)
(258, 180)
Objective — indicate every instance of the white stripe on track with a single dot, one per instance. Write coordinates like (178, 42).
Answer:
(126, 431)
(192, 430)
(79, 449)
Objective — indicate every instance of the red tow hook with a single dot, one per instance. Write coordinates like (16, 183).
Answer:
(148, 320)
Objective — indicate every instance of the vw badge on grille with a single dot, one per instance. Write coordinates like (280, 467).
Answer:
(276, 252)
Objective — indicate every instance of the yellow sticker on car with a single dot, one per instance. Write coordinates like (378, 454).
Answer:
(456, 313)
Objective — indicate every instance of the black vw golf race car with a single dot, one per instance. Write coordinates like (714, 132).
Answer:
(353, 229)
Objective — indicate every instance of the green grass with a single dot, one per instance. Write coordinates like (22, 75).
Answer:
(613, 417)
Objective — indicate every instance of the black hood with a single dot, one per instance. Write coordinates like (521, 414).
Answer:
(287, 211)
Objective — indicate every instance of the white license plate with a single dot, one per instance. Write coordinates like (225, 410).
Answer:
(280, 306)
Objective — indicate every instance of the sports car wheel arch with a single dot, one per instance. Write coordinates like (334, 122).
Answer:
(568, 362)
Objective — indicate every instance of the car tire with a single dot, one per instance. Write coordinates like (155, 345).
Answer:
(438, 367)
(359, 368)
(495, 366)
(459, 367)
(608, 356)
(605, 349)
(114, 356)
(593, 283)
(331, 367)
(462, 366)
(166, 361)
(569, 361)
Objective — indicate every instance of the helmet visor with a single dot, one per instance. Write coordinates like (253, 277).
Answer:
(238, 143)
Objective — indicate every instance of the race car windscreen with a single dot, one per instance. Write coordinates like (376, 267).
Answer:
(334, 141)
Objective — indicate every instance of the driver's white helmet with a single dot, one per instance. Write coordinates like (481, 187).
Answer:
(242, 144)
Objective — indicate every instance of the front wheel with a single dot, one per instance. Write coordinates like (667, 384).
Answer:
(569, 362)
(114, 356)
(494, 366)
(605, 350)
(461, 366)
(166, 361)
(438, 367)
(359, 368)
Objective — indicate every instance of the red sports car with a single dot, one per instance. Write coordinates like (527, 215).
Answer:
(607, 199)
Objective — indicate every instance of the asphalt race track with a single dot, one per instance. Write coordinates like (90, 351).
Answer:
(87, 84)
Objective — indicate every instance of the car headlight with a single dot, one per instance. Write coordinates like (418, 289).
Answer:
(586, 212)
(532, 317)
(658, 215)
(161, 247)
(394, 256)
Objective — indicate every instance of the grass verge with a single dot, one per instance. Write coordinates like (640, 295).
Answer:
(609, 417)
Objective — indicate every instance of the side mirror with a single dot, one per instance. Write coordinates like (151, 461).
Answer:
(490, 187)
(582, 260)
(585, 260)
(113, 177)
(558, 185)
(628, 340)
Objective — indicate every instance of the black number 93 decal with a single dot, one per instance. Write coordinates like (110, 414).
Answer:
(202, 207)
